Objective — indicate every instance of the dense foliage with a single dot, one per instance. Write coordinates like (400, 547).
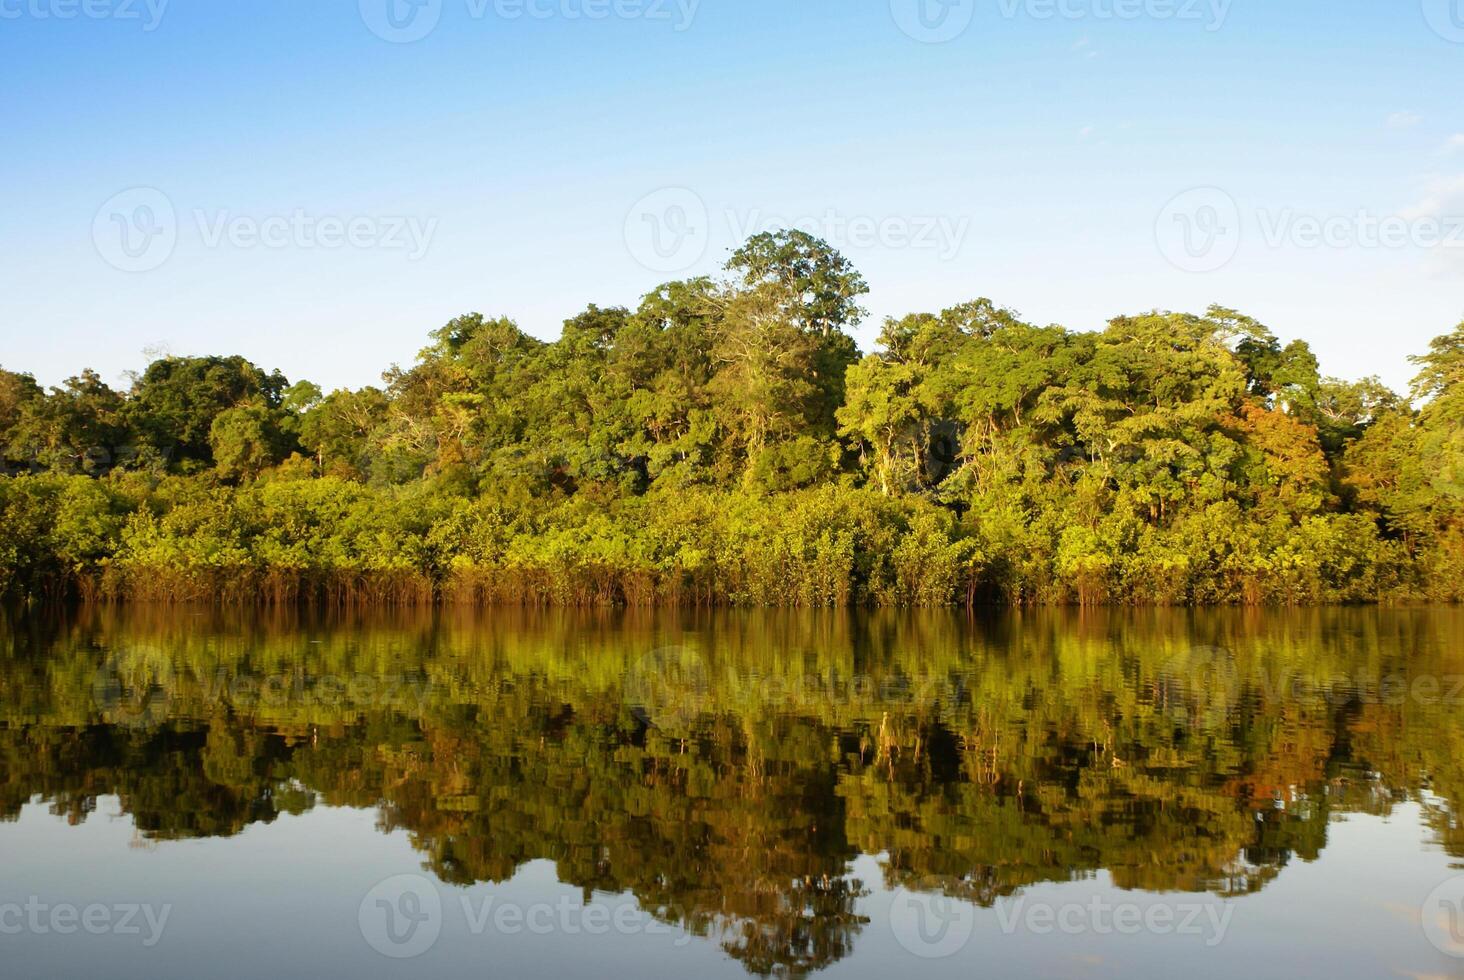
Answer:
(725, 442)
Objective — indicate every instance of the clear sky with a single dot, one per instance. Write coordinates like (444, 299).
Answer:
(301, 182)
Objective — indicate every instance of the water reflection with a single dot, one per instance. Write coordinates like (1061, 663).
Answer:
(727, 771)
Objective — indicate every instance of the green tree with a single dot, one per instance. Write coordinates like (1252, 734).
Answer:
(246, 440)
(175, 401)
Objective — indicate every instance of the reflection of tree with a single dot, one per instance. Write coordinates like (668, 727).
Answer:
(175, 782)
(706, 835)
(980, 758)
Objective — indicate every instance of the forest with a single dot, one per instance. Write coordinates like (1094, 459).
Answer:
(727, 443)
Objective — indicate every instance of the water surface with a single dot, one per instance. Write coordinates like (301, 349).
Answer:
(1109, 794)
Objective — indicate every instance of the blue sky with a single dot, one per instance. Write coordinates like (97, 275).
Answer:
(322, 196)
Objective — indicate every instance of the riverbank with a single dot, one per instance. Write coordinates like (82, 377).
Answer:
(338, 542)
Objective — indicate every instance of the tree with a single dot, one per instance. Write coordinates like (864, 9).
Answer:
(19, 395)
(820, 287)
(883, 412)
(1409, 465)
(765, 388)
(246, 440)
(174, 403)
(1441, 370)
(340, 428)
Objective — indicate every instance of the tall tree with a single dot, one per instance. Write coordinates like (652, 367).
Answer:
(175, 401)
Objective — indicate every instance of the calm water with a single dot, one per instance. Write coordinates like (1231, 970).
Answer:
(508, 795)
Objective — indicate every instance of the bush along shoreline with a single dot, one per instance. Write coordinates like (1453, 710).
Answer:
(726, 443)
